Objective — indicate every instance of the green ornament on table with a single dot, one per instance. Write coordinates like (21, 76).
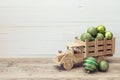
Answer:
(90, 64)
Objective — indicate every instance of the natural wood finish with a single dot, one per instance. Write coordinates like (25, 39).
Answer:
(101, 58)
(86, 47)
(91, 49)
(104, 47)
(109, 47)
(78, 41)
(100, 53)
(90, 54)
(46, 69)
(101, 42)
(99, 45)
(80, 50)
(73, 45)
(91, 43)
(109, 52)
(113, 45)
(60, 55)
(96, 47)
(68, 64)
(109, 42)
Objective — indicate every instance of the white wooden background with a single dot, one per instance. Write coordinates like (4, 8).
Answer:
(41, 27)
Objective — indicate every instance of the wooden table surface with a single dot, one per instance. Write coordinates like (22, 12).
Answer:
(46, 69)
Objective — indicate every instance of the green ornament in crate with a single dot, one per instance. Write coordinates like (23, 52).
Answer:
(108, 35)
(87, 36)
(101, 29)
(90, 64)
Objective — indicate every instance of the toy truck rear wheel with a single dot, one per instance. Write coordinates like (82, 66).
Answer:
(68, 64)
(100, 58)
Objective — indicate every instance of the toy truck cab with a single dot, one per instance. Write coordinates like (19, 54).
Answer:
(76, 49)
(73, 55)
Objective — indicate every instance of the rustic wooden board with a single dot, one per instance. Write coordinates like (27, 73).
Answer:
(46, 69)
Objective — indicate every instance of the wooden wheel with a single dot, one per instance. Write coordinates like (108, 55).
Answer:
(100, 58)
(68, 64)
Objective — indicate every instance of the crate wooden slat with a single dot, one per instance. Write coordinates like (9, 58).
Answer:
(104, 44)
(109, 47)
(96, 47)
(100, 53)
(109, 52)
(101, 42)
(90, 54)
(92, 43)
(91, 49)
(100, 47)
(113, 45)
(109, 42)
(46, 69)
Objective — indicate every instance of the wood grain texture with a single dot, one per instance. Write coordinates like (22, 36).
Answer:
(46, 69)
(27, 26)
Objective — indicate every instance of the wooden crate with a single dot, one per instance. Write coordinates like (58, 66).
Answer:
(98, 47)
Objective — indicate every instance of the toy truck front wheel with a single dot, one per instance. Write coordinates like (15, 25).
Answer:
(68, 64)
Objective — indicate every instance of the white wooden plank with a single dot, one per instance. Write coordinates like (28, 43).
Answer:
(41, 27)
(40, 11)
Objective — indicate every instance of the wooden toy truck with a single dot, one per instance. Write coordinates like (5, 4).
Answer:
(79, 50)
